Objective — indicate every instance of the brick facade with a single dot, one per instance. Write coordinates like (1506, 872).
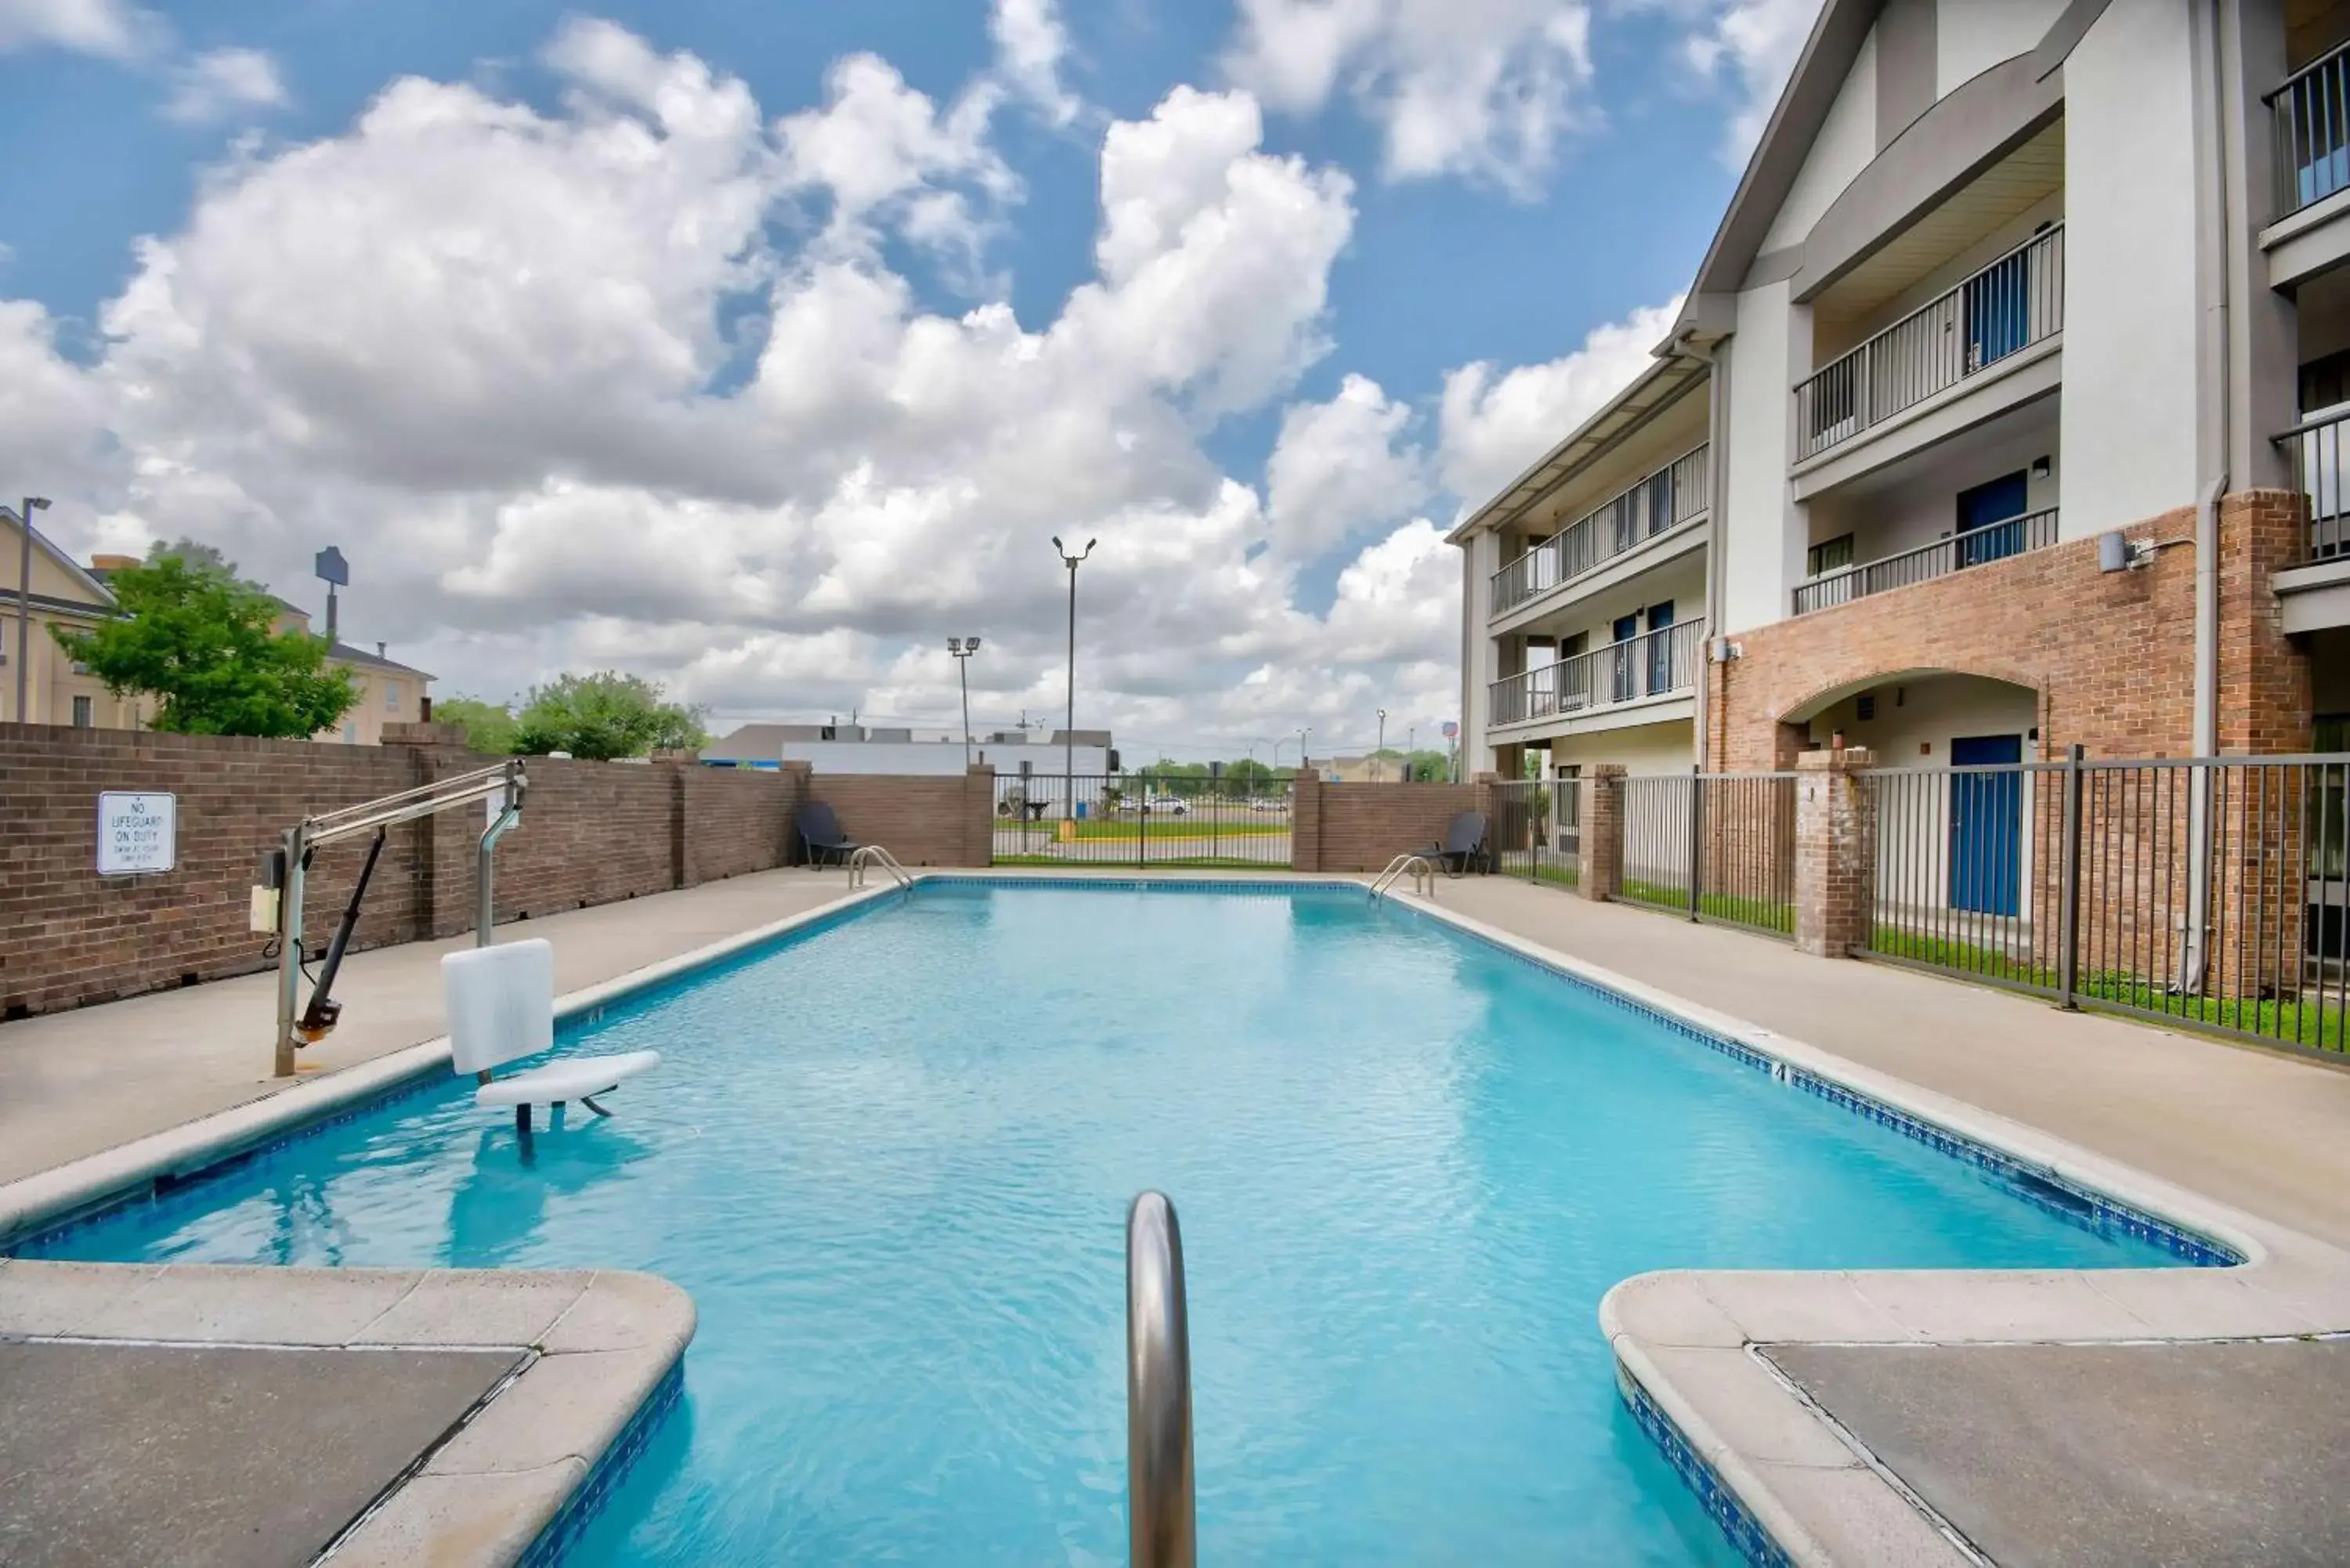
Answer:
(935, 821)
(2110, 657)
(1354, 827)
(591, 832)
(1601, 875)
(1835, 852)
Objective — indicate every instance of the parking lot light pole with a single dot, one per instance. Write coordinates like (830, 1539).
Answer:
(1379, 753)
(1069, 730)
(963, 648)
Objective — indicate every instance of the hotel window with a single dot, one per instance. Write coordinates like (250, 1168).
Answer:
(83, 716)
(1829, 555)
(392, 696)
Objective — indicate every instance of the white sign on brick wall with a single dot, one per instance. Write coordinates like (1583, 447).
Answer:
(137, 833)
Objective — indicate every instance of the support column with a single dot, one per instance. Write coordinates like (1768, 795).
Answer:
(1835, 852)
(1602, 875)
(1305, 821)
(979, 815)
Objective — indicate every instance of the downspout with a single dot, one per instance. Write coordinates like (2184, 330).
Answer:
(2212, 447)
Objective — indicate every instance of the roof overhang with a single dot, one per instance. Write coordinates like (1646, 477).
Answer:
(1655, 390)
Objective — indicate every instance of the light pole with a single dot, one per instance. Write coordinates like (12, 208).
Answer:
(963, 648)
(1379, 753)
(1069, 730)
(32, 504)
(1410, 749)
(1303, 730)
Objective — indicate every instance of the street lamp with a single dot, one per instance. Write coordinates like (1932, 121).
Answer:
(1069, 730)
(1379, 753)
(963, 648)
(1303, 731)
(32, 504)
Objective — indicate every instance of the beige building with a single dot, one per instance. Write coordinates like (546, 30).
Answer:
(64, 595)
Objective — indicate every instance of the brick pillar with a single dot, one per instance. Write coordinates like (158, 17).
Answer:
(979, 815)
(1602, 832)
(1835, 852)
(1306, 822)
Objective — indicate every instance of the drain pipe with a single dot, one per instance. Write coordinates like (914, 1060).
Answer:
(2212, 245)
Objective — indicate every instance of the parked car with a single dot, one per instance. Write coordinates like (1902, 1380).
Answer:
(1168, 804)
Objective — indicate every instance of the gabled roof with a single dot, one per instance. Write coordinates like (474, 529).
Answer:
(1652, 391)
(101, 595)
(1837, 34)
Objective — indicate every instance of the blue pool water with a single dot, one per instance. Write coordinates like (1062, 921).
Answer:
(891, 1160)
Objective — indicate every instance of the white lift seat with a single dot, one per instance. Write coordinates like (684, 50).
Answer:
(501, 1009)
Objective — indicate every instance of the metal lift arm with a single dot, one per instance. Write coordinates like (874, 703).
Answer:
(506, 782)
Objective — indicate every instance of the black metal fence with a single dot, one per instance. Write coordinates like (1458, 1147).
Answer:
(1713, 847)
(2212, 892)
(1535, 832)
(1130, 819)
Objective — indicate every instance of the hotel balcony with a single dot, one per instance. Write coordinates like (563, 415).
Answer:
(1671, 500)
(1971, 547)
(1617, 681)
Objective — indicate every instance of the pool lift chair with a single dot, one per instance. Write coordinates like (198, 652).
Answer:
(501, 1009)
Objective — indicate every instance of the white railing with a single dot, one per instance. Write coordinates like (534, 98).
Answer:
(2321, 464)
(1670, 496)
(1654, 665)
(2311, 112)
(2009, 306)
(1975, 547)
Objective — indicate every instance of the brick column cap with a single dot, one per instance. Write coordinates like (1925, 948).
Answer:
(1847, 757)
(1604, 771)
(438, 732)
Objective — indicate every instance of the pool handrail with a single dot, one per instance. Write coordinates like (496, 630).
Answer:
(1421, 870)
(875, 855)
(1159, 1506)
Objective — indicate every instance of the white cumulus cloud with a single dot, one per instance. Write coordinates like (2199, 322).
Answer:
(105, 27)
(1341, 467)
(1752, 45)
(223, 83)
(1031, 43)
(1482, 87)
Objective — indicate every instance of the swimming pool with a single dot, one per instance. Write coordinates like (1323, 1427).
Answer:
(891, 1156)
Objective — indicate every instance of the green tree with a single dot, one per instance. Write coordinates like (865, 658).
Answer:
(208, 647)
(1429, 766)
(490, 727)
(604, 715)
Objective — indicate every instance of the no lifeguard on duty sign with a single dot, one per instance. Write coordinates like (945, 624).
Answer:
(137, 833)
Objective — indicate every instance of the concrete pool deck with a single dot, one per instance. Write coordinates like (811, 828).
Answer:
(2241, 1144)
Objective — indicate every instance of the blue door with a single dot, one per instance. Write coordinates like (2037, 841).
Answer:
(1661, 650)
(1990, 520)
(1986, 826)
(1998, 310)
(1625, 683)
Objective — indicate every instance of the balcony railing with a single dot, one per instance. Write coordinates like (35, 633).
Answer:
(1653, 664)
(1975, 547)
(2312, 130)
(2323, 467)
(1664, 499)
(2009, 306)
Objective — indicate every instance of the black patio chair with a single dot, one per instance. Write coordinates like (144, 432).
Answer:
(821, 840)
(1463, 848)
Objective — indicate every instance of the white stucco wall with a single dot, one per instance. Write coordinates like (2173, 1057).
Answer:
(1479, 562)
(1922, 506)
(1972, 36)
(2130, 308)
(1643, 750)
(1847, 143)
(1762, 536)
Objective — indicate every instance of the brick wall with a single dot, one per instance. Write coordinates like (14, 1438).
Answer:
(1362, 826)
(923, 820)
(1835, 852)
(2109, 656)
(591, 832)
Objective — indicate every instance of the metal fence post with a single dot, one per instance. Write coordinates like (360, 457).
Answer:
(2068, 914)
(1696, 828)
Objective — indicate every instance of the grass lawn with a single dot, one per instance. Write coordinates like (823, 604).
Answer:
(1157, 862)
(1760, 913)
(1155, 825)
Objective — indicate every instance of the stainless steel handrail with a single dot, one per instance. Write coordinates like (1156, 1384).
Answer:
(1159, 1512)
(1423, 876)
(875, 855)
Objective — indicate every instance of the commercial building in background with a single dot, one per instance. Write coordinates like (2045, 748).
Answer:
(869, 749)
(390, 692)
(63, 594)
(2021, 313)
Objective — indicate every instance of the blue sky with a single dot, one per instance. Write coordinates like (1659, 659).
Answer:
(665, 397)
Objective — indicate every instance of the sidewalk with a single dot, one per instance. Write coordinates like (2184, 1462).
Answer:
(72, 1084)
(2261, 1129)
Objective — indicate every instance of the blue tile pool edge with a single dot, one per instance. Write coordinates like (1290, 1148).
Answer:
(1721, 1503)
(611, 1469)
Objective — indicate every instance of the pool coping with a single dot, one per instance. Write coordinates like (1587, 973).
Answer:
(1784, 1486)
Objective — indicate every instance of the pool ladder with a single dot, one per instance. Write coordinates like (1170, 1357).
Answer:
(1158, 1513)
(1420, 869)
(874, 855)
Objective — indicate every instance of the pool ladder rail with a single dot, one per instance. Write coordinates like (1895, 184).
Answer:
(871, 855)
(1158, 1508)
(1421, 870)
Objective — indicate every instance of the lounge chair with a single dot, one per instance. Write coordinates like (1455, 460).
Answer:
(1463, 847)
(821, 840)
